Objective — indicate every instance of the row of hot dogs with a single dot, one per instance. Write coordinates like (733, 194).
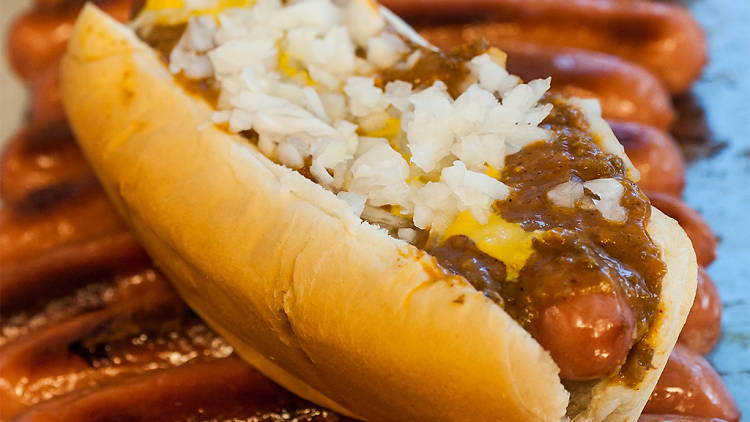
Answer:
(59, 236)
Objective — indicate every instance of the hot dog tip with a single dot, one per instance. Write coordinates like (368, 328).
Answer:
(372, 180)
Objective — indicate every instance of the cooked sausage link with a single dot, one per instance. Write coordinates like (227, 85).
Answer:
(625, 90)
(46, 103)
(663, 38)
(65, 268)
(588, 336)
(97, 347)
(690, 386)
(703, 239)
(36, 42)
(225, 389)
(675, 418)
(37, 167)
(703, 326)
(38, 38)
(89, 216)
(655, 154)
(56, 6)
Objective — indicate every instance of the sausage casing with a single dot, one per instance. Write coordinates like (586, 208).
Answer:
(690, 386)
(655, 154)
(38, 38)
(703, 239)
(703, 326)
(663, 38)
(588, 336)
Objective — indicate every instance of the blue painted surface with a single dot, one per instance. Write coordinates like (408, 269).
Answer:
(719, 186)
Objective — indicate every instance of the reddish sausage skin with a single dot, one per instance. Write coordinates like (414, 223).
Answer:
(24, 235)
(37, 39)
(690, 386)
(46, 104)
(703, 326)
(626, 91)
(655, 154)
(663, 38)
(675, 418)
(26, 167)
(695, 226)
(588, 336)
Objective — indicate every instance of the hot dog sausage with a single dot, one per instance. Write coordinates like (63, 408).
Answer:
(690, 386)
(588, 336)
(23, 235)
(662, 38)
(58, 5)
(27, 167)
(226, 389)
(675, 418)
(38, 38)
(655, 154)
(46, 104)
(65, 268)
(696, 227)
(68, 352)
(703, 326)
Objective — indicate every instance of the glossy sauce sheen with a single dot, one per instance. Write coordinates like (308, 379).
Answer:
(432, 66)
(586, 272)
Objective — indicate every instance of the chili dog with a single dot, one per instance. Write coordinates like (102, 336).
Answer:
(660, 37)
(326, 366)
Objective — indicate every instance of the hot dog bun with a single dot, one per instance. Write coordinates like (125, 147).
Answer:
(328, 306)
